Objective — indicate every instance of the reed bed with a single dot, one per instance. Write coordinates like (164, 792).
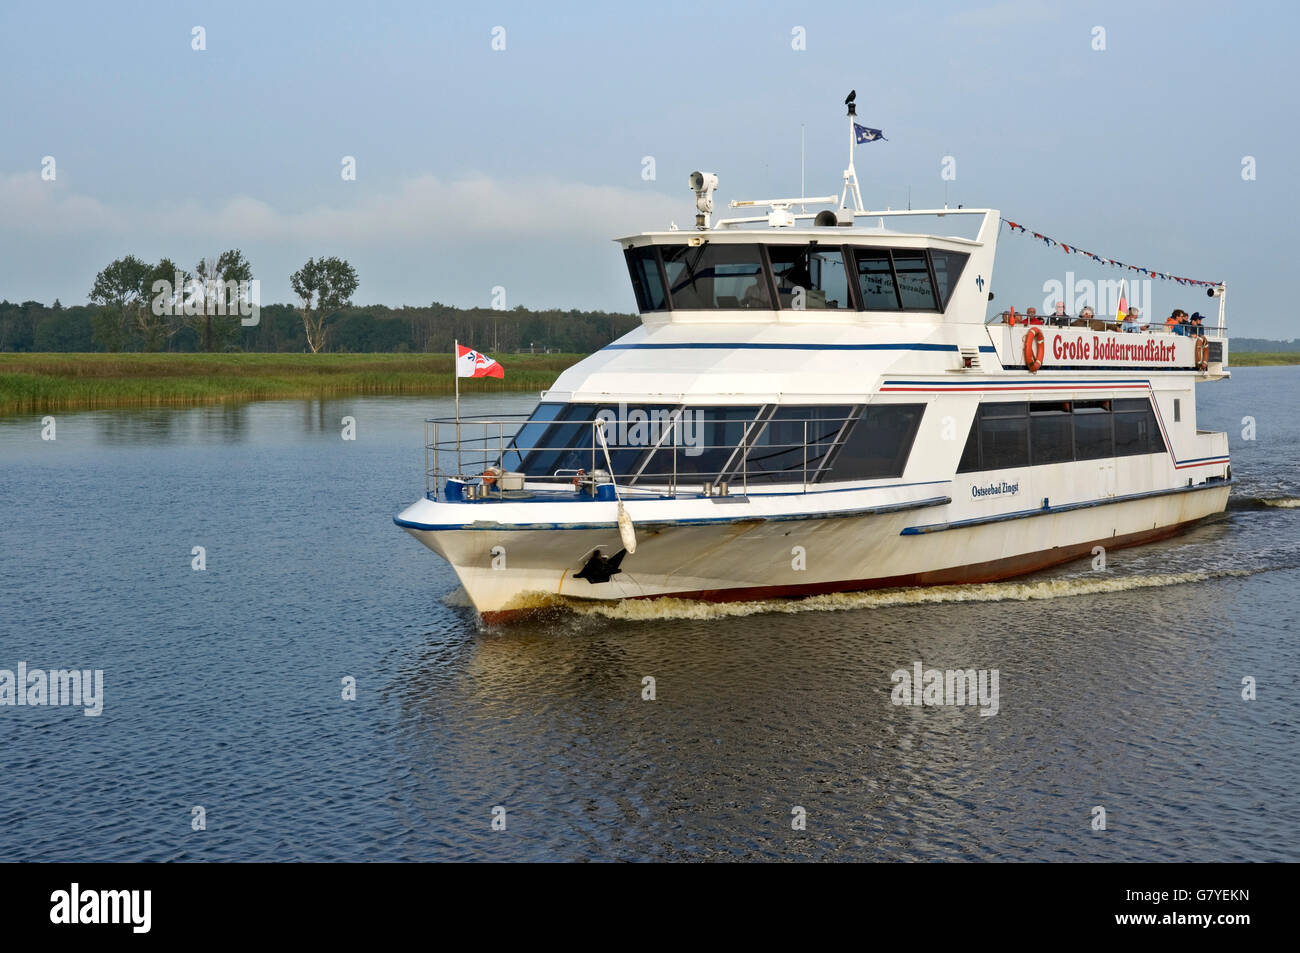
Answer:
(1262, 358)
(41, 382)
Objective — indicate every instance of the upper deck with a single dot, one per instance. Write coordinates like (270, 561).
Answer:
(841, 272)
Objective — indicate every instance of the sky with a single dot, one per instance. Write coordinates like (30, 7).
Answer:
(479, 168)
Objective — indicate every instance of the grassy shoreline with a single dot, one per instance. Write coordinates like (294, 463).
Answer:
(42, 382)
(54, 381)
(1262, 358)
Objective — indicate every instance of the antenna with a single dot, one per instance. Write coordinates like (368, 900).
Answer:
(803, 131)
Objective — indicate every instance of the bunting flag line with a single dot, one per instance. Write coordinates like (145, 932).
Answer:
(1102, 260)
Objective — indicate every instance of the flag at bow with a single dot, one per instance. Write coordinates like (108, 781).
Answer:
(867, 135)
(470, 363)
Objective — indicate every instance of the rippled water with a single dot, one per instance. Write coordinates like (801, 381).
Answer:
(222, 688)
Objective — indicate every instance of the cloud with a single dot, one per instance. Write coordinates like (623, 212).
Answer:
(29, 202)
(422, 208)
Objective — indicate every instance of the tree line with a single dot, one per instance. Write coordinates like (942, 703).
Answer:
(137, 306)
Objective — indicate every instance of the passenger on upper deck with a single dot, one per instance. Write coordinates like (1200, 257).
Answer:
(1084, 319)
(1172, 322)
(1131, 321)
(1059, 317)
(1195, 329)
(1032, 317)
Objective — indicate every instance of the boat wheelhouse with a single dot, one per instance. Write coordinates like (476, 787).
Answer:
(815, 402)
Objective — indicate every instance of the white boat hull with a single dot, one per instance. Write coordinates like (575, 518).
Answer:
(508, 571)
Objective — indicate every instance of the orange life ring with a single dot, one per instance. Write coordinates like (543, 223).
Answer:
(1202, 354)
(488, 477)
(1034, 354)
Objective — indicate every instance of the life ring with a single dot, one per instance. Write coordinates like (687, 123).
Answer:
(488, 477)
(1202, 354)
(1034, 354)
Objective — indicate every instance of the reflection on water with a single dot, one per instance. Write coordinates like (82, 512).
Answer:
(1119, 688)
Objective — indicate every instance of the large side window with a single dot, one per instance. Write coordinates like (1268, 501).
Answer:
(879, 442)
(706, 439)
(818, 271)
(948, 266)
(568, 439)
(715, 276)
(1136, 431)
(566, 445)
(1004, 436)
(970, 455)
(1059, 432)
(643, 265)
(530, 435)
(876, 280)
(914, 285)
(630, 432)
(795, 441)
(1092, 430)
(1051, 433)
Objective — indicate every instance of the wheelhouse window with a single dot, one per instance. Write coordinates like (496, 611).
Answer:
(810, 277)
(896, 279)
(914, 284)
(739, 277)
(647, 281)
(948, 266)
(876, 280)
(716, 276)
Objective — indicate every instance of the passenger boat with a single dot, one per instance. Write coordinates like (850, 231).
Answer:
(814, 402)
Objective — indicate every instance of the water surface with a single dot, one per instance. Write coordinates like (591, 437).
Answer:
(1119, 689)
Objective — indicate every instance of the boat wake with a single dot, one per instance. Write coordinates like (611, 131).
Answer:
(1263, 502)
(668, 608)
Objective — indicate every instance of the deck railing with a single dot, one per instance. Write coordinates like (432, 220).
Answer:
(1103, 324)
(674, 461)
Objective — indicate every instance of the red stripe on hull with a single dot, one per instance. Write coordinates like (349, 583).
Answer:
(991, 571)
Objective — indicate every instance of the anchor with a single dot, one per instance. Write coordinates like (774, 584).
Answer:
(601, 568)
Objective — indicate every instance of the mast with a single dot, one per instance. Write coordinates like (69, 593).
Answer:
(455, 369)
(850, 174)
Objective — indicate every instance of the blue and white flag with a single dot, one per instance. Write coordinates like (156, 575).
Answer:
(867, 135)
